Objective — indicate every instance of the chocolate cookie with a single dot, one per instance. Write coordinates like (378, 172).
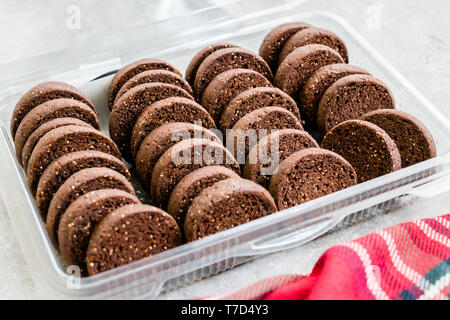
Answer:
(414, 142)
(150, 76)
(129, 71)
(37, 134)
(160, 140)
(130, 106)
(64, 167)
(274, 41)
(58, 108)
(367, 147)
(75, 186)
(227, 59)
(257, 124)
(226, 204)
(318, 83)
(267, 154)
(61, 141)
(314, 36)
(191, 185)
(183, 158)
(174, 109)
(300, 64)
(197, 60)
(41, 93)
(252, 99)
(81, 217)
(227, 85)
(128, 234)
(310, 174)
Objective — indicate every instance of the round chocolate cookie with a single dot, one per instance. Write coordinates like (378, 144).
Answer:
(174, 109)
(264, 158)
(160, 140)
(63, 140)
(129, 71)
(162, 76)
(197, 60)
(191, 185)
(183, 158)
(75, 186)
(37, 134)
(367, 147)
(227, 85)
(255, 98)
(300, 64)
(58, 108)
(255, 125)
(318, 83)
(226, 204)
(314, 36)
(81, 217)
(128, 234)
(310, 174)
(130, 106)
(274, 41)
(63, 167)
(227, 59)
(41, 93)
(414, 142)
(350, 98)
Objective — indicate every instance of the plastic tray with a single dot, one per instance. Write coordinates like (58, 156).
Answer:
(149, 277)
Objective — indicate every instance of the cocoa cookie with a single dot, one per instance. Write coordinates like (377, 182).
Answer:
(351, 97)
(414, 142)
(318, 83)
(160, 140)
(174, 109)
(274, 41)
(75, 186)
(255, 98)
(227, 59)
(128, 234)
(129, 71)
(65, 166)
(82, 216)
(37, 134)
(41, 93)
(197, 60)
(58, 108)
(367, 147)
(310, 174)
(267, 154)
(191, 185)
(162, 76)
(257, 124)
(223, 88)
(183, 158)
(226, 204)
(300, 64)
(130, 106)
(314, 36)
(61, 141)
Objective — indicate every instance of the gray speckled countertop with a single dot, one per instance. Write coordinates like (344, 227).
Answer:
(413, 35)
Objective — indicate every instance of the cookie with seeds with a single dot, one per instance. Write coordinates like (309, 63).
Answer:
(367, 147)
(414, 141)
(80, 219)
(226, 204)
(128, 234)
(310, 174)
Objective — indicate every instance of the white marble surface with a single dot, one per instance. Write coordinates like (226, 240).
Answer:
(413, 35)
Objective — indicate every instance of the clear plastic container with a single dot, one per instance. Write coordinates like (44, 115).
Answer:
(149, 277)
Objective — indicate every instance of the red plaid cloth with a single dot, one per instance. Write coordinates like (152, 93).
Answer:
(407, 261)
